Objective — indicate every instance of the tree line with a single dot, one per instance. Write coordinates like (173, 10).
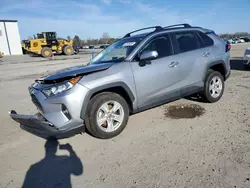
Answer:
(235, 35)
(106, 39)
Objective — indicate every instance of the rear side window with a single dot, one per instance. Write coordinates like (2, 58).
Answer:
(206, 39)
(187, 41)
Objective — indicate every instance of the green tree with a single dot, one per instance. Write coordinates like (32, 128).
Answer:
(234, 35)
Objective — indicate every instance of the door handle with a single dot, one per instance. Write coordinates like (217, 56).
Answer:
(206, 54)
(173, 64)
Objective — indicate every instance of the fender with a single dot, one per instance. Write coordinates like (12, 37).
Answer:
(103, 87)
(219, 62)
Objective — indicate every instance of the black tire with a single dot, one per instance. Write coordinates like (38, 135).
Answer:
(76, 51)
(68, 50)
(24, 51)
(206, 95)
(247, 67)
(46, 52)
(91, 115)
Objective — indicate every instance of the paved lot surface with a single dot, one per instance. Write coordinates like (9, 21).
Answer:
(212, 150)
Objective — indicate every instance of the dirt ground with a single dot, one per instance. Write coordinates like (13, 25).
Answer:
(154, 151)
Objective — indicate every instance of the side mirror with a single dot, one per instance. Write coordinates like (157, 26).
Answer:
(148, 55)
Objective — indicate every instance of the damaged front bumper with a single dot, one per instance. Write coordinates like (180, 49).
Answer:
(39, 126)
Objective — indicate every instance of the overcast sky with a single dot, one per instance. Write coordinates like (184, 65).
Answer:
(90, 18)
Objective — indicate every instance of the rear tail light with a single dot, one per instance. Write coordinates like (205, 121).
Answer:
(228, 47)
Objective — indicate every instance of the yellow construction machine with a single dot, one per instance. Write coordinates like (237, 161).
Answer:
(25, 46)
(46, 44)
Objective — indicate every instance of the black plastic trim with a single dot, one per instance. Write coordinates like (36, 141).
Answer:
(219, 62)
(227, 75)
(184, 24)
(103, 87)
(157, 28)
(190, 90)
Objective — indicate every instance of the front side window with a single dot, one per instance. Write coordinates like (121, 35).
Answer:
(187, 41)
(161, 44)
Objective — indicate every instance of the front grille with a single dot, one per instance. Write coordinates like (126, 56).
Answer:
(36, 102)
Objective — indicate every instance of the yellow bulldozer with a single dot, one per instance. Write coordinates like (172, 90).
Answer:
(46, 44)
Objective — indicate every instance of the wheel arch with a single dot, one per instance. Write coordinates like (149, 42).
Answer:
(118, 87)
(217, 66)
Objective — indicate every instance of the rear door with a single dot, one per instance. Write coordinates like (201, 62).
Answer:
(193, 56)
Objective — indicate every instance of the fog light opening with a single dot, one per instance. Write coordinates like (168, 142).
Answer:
(65, 111)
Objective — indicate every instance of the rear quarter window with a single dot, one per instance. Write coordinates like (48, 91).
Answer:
(206, 39)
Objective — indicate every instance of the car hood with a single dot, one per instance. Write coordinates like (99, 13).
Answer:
(71, 72)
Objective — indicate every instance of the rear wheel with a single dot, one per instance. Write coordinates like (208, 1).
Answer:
(46, 52)
(68, 50)
(107, 115)
(214, 86)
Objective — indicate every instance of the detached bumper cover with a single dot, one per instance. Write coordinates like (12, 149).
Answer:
(39, 126)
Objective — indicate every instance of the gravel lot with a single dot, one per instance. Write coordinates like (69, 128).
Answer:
(154, 151)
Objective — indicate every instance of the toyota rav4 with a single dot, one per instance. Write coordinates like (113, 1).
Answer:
(135, 73)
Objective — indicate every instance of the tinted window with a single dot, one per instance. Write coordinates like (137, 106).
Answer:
(200, 41)
(187, 41)
(161, 44)
(207, 40)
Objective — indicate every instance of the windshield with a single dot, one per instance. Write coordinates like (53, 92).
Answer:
(117, 51)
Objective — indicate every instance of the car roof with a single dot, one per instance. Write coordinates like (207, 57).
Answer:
(159, 29)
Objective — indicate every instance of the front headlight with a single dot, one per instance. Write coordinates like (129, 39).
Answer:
(56, 89)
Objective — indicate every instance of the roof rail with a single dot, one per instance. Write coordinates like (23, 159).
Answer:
(185, 25)
(157, 28)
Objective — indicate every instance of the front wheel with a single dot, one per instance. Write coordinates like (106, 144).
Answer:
(107, 115)
(68, 50)
(214, 86)
(46, 52)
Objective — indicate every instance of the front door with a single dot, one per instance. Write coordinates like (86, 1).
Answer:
(157, 80)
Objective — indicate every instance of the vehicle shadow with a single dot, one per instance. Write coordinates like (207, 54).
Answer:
(53, 170)
(237, 64)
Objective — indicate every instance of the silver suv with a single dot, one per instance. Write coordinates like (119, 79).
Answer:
(135, 73)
